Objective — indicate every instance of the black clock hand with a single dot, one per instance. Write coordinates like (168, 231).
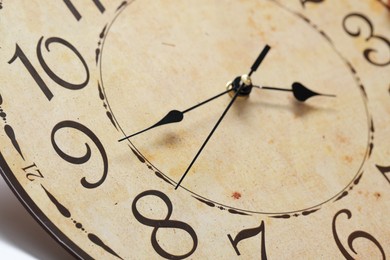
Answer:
(301, 93)
(174, 116)
(246, 82)
(209, 136)
(259, 59)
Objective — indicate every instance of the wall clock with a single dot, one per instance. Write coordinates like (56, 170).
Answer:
(200, 129)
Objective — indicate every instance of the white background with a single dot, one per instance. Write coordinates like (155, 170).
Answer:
(21, 237)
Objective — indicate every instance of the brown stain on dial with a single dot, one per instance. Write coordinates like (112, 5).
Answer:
(377, 195)
(367, 194)
(342, 139)
(236, 195)
(348, 159)
(377, 7)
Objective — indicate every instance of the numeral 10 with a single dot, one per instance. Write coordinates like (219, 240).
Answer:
(19, 54)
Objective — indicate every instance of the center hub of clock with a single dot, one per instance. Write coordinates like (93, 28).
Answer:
(244, 81)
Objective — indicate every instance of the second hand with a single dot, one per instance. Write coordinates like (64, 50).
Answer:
(209, 136)
(254, 67)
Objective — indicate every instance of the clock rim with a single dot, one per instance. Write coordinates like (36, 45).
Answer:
(37, 214)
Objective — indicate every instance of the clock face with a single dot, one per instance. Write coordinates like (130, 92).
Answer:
(200, 129)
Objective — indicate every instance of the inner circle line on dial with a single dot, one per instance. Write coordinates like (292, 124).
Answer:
(201, 197)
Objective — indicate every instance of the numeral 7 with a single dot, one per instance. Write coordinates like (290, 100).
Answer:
(384, 171)
(247, 233)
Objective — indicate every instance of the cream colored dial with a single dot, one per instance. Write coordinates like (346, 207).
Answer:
(275, 177)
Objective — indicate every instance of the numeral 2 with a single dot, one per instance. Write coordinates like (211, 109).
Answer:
(247, 233)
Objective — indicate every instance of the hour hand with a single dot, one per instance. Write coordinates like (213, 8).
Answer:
(301, 93)
(173, 116)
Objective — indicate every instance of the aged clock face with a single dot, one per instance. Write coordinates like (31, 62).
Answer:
(293, 151)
